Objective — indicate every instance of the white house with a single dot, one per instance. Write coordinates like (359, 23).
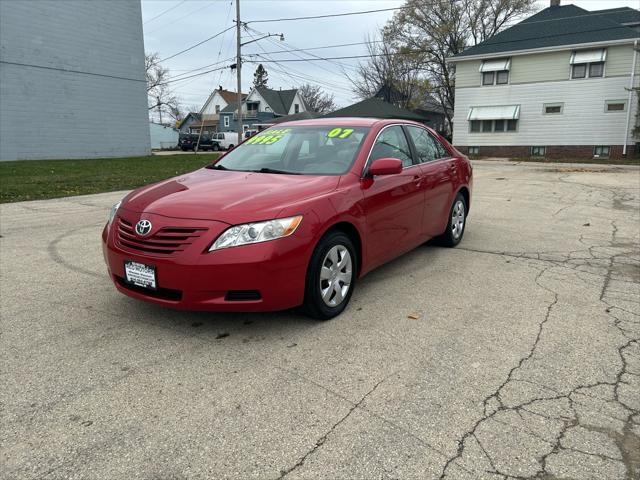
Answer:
(72, 81)
(557, 84)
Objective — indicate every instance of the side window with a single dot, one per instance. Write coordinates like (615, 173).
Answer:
(392, 143)
(427, 147)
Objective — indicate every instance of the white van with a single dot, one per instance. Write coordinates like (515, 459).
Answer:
(226, 140)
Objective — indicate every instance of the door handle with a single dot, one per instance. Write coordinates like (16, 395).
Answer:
(417, 179)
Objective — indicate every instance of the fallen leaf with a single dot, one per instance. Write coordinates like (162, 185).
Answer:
(413, 316)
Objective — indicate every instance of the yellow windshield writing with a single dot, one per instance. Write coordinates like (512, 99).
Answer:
(340, 133)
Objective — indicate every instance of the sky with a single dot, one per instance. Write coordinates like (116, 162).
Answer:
(173, 25)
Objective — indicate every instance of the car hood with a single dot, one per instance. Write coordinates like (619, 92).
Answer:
(226, 196)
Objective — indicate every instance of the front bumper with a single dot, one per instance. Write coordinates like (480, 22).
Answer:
(195, 279)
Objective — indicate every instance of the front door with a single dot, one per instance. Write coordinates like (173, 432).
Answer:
(436, 169)
(393, 203)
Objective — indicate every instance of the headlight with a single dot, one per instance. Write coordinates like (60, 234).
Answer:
(112, 213)
(256, 232)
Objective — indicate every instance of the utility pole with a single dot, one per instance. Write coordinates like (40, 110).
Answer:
(239, 74)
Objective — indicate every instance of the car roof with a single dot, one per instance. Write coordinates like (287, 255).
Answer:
(345, 121)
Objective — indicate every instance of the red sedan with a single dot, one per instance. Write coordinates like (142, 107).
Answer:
(292, 216)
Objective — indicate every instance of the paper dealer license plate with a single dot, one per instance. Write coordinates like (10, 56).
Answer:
(140, 274)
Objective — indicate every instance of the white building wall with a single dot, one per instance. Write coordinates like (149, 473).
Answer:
(72, 80)
(297, 99)
(163, 136)
(583, 121)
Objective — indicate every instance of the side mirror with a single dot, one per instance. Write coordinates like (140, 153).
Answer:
(385, 166)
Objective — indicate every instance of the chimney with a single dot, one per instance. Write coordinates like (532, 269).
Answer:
(554, 3)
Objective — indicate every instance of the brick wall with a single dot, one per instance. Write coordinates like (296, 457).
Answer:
(72, 80)
(553, 151)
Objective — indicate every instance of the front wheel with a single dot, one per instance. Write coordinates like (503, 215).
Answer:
(216, 147)
(330, 277)
(457, 221)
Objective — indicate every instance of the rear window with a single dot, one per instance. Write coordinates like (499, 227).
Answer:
(308, 150)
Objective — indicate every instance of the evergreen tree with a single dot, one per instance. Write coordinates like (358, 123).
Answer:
(260, 77)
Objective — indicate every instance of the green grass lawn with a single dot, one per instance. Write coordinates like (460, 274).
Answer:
(40, 179)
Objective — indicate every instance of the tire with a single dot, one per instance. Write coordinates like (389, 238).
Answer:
(230, 147)
(216, 147)
(184, 149)
(325, 286)
(456, 224)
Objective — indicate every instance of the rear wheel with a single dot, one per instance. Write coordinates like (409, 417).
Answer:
(230, 147)
(330, 277)
(457, 221)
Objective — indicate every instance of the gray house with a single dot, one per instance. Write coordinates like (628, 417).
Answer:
(260, 108)
(555, 85)
(76, 68)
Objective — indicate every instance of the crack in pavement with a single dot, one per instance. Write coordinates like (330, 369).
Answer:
(323, 438)
(607, 259)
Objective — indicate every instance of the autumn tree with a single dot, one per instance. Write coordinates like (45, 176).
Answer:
(440, 29)
(316, 100)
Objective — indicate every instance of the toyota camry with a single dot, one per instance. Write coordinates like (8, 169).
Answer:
(293, 216)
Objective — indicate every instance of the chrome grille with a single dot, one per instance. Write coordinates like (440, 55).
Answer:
(166, 241)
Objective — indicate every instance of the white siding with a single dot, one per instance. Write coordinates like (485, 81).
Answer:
(209, 109)
(297, 99)
(583, 121)
(72, 80)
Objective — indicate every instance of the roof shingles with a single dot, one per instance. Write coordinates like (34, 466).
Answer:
(557, 26)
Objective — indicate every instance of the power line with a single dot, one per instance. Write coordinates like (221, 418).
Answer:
(173, 22)
(363, 12)
(166, 11)
(324, 47)
(172, 80)
(198, 44)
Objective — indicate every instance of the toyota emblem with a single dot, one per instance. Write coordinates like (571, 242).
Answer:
(143, 227)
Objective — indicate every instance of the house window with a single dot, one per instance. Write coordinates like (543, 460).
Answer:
(217, 108)
(502, 78)
(596, 69)
(553, 108)
(601, 151)
(226, 121)
(588, 63)
(538, 151)
(473, 150)
(493, 126)
(496, 71)
(296, 108)
(615, 106)
(487, 78)
(579, 70)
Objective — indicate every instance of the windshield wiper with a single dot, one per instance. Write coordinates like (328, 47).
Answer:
(273, 170)
(217, 167)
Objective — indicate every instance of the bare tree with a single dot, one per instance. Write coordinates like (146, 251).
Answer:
(316, 100)
(389, 70)
(160, 96)
(439, 29)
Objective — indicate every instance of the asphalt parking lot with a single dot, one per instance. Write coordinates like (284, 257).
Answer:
(523, 361)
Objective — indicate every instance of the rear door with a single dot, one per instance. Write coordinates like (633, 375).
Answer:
(393, 204)
(436, 167)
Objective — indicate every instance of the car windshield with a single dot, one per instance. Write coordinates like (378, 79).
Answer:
(301, 150)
